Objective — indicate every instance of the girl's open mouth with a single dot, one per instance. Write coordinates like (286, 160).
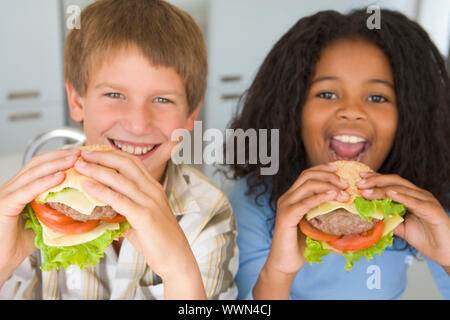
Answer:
(140, 150)
(347, 148)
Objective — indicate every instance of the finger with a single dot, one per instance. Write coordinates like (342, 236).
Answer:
(119, 202)
(50, 156)
(381, 193)
(324, 173)
(43, 169)
(383, 180)
(312, 187)
(14, 202)
(112, 179)
(430, 212)
(296, 211)
(126, 164)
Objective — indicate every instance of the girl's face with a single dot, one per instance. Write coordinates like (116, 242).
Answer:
(350, 112)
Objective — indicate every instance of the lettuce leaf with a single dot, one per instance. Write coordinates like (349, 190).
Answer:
(81, 255)
(314, 251)
(388, 207)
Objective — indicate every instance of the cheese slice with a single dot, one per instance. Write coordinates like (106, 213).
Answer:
(74, 199)
(389, 224)
(74, 181)
(56, 239)
(327, 207)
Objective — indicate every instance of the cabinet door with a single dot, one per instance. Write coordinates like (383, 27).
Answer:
(31, 63)
(20, 125)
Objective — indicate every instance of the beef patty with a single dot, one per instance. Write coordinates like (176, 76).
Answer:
(341, 222)
(98, 213)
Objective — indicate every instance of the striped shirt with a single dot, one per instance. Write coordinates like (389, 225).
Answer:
(207, 219)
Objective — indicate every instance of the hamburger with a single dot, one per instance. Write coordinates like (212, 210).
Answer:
(357, 228)
(71, 227)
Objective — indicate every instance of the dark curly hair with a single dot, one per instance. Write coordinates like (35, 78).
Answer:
(421, 149)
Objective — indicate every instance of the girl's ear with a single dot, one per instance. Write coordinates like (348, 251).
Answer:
(193, 116)
(75, 103)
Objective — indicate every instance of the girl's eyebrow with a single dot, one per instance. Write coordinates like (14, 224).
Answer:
(324, 79)
(381, 81)
(385, 82)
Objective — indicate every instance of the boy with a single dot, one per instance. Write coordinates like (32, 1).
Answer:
(134, 73)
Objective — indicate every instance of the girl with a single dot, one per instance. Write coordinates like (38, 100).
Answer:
(337, 90)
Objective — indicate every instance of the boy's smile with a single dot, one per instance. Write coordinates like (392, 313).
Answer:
(350, 112)
(133, 106)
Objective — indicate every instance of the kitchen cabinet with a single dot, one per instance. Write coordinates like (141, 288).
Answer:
(31, 71)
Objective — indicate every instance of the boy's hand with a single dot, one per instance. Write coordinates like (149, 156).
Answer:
(426, 227)
(313, 187)
(38, 175)
(134, 193)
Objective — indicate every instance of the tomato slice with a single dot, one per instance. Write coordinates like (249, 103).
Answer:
(314, 233)
(49, 214)
(355, 242)
(117, 219)
(46, 216)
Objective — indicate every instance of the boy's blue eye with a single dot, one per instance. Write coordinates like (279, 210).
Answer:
(161, 100)
(377, 98)
(327, 95)
(115, 95)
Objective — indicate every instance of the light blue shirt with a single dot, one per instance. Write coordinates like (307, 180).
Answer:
(383, 277)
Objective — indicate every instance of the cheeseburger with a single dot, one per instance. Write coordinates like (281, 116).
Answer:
(72, 227)
(357, 228)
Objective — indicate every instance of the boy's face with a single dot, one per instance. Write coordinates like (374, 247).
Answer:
(350, 112)
(134, 106)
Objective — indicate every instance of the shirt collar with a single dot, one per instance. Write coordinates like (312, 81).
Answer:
(177, 185)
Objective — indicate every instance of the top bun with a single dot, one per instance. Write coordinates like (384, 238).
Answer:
(96, 147)
(349, 171)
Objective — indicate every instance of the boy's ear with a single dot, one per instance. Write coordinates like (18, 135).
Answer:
(193, 116)
(75, 103)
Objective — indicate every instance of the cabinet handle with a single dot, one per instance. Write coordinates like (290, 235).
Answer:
(232, 96)
(231, 78)
(23, 95)
(24, 116)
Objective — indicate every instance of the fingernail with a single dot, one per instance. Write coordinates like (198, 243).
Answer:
(86, 152)
(393, 192)
(363, 181)
(80, 164)
(57, 174)
(89, 184)
(368, 191)
(70, 158)
(344, 182)
(344, 194)
(331, 192)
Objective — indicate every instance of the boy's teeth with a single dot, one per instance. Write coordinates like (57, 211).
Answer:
(349, 139)
(133, 150)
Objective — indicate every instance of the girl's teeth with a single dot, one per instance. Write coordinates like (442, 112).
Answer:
(349, 139)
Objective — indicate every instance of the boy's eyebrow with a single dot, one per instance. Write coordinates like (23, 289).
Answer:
(116, 86)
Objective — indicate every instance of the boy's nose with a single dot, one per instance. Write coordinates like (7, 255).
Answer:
(138, 120)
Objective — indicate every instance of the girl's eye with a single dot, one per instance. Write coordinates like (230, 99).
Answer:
(115, 95)
(377, 98)
(327, 95)
(161, 100)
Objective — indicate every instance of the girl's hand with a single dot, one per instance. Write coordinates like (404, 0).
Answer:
(313, 187)
(134, 193)
(39, 174)
(426, 227)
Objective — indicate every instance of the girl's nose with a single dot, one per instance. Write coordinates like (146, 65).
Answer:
(351, 112)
